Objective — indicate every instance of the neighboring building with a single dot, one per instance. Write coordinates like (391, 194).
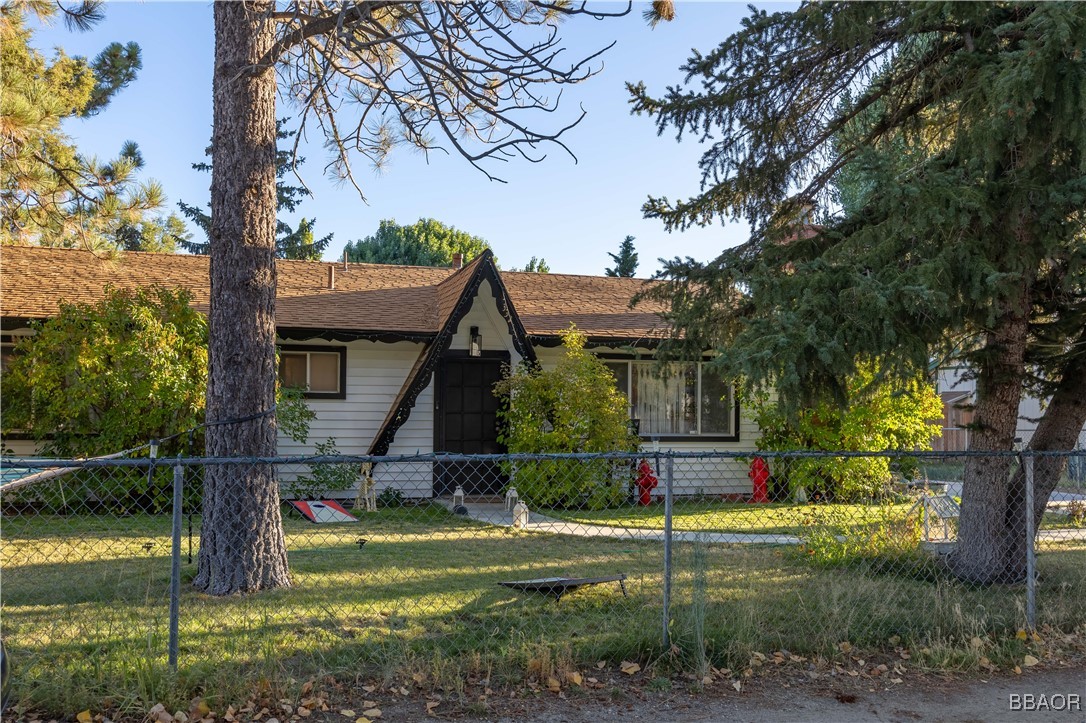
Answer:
(402, 359)
(958, 391)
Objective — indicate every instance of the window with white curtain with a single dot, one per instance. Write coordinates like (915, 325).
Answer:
(680, 400)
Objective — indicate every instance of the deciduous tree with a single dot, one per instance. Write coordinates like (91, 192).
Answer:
(427, 242)
(973, 250)
(99, 378)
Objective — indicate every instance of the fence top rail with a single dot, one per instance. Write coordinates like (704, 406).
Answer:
(35, 464)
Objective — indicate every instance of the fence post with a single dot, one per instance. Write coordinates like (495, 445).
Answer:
(1031, 552)
(175, 567)
(669, 476)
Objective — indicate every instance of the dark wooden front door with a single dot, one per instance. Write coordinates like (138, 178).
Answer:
(467, 423)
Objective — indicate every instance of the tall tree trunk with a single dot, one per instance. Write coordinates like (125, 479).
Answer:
(1058, 430)
(982, 555)
(242, 548)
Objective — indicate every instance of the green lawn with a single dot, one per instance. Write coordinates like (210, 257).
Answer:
(85, 603)
(716, 516)
(773, 518)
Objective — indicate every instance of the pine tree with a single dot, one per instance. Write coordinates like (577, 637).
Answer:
(427, 242)
(408, 71)
(49, 193)
(964, 238)
(625, 260)
(290, 243)
(535, 266)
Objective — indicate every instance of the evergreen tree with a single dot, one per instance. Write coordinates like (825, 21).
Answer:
(625, 260)
(290, 243)
(964, 239)
(49, 193)
(472, 73)
(427, 242)
(536, 266)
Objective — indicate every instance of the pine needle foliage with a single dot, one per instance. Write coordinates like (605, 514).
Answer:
(50, 194)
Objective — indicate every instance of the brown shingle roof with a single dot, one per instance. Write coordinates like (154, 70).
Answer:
(367, 297)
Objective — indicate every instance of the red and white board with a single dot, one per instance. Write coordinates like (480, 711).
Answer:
(323, 511)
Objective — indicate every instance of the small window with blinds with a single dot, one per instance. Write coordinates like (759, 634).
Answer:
(321, 371)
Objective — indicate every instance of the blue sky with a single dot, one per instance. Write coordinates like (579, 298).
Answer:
(572, 214)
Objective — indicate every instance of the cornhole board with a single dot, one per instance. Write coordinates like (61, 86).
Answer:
(322, 512)
(559, 586)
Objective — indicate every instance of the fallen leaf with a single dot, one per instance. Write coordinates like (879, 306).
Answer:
(418, 678)
(303, 712)
(976, 642)
(575, 678)
(372, 713)
(630, 668)
(1021, 634)
(362, 719)
(601, 665)
(844, 647)
(1017, 670)
(84, 716)
(368, 688)
(367, 704)
(306, 687)
(1029, 661)
(707, 680)
(895, 639)
(738, 685)
(199, 708)
(553, 685)
(347, 713)
(431, 706)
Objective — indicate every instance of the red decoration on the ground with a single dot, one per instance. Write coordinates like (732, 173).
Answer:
(759, 475)
(646, 482)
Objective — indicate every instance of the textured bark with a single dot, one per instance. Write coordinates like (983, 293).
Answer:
(242, 548)
(1059, 428)
(988, 490)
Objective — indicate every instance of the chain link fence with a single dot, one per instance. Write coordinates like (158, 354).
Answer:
(490, 565)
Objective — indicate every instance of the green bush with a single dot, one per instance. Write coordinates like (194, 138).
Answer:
(324, 477)
(878, 419)
(575, 407)
(885, 543)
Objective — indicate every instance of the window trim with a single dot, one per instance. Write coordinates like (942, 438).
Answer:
(309, 348)
(712, 437)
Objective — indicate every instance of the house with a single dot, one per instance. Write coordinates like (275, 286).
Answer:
(402, 359)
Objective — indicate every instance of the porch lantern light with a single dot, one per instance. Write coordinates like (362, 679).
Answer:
(458, 497)
(475, 346)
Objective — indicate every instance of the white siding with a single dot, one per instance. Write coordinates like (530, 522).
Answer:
(375, 374)
(22, 447)
(492, 326)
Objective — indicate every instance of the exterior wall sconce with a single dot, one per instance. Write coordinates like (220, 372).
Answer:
(475, 346)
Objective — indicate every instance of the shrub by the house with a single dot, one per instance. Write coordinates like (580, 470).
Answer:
(574, 407)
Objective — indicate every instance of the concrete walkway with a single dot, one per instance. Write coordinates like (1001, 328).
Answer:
(496, 514)
(493, 513)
